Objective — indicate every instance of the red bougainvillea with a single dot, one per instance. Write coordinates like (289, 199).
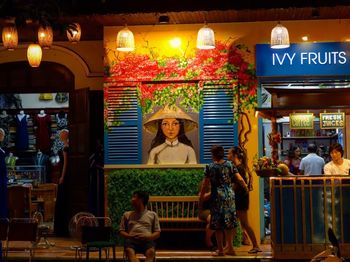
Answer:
(170, 79)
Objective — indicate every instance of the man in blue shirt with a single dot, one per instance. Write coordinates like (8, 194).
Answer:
(312, 164)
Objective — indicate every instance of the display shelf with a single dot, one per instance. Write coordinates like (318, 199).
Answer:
(308, 137)
(34, 174)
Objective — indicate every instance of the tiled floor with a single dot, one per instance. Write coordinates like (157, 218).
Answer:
(64, 250)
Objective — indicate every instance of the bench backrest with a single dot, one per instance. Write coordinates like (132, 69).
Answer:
(174, 206)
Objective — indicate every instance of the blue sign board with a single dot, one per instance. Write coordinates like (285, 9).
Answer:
(306, 59)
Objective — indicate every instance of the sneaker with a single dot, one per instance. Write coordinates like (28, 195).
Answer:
(254, 250)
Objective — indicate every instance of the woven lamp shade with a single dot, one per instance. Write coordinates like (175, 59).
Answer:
(74, 33)
(10, 37)
(125, 40)
(34, 55)
(45, 37)
(279, 37)
(205, 38)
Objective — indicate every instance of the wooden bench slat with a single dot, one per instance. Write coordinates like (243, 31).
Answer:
(177, 212)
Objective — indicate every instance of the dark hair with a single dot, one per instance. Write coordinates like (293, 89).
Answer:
(312, 148)
(142, 195)
(160, 137)
(291, 152)
(217, 152)
(237, 151)
(337, 147)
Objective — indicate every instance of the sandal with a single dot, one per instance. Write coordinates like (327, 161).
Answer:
(218, 253)
(254, 250)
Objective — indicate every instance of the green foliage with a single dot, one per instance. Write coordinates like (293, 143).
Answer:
(158, 182)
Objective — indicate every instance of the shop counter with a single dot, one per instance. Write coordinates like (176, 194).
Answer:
(302, 210)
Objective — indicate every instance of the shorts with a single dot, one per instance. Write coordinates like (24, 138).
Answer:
(139, 246)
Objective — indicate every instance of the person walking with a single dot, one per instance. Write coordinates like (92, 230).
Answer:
(237, 156)
(312, 164)
(221, 175)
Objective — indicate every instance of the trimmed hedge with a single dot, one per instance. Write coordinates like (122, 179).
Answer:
(121, 183)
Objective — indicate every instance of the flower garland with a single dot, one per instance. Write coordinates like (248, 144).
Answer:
(173, 79)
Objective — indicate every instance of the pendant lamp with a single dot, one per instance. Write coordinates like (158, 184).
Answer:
(34, 54)
(74, 33)
(279, 37)
(45, 37)
(10, 37)
(205, 38)
(125, 40)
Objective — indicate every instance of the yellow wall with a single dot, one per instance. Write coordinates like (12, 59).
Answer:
(85, 59)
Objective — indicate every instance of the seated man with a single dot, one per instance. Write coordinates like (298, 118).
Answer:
(139, 228)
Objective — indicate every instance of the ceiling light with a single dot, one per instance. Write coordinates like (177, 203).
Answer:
(279, 37)
(34, 55)
(163, 19)
(74, 33)
(10, 37)
(305, 38)
(45, 36)
(205, 38)
(125, 40)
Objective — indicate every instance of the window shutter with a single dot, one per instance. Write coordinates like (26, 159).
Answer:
(216, 125)
(123, 142)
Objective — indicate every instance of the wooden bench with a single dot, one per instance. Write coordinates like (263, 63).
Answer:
(177, 213)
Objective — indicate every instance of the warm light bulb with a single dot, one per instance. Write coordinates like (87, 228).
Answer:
(175, 42)
(304, 38)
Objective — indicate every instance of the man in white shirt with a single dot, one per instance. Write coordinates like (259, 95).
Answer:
(140, 228)
(312, 164)
(338, 165)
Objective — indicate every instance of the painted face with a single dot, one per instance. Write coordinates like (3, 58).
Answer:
(170, 128)
(335, 155)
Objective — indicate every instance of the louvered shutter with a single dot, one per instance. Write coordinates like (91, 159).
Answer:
(216, 125)
(123, 142)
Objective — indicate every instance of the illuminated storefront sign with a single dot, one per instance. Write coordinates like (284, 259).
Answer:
(332, 120)
(304, 59)
(301, 121)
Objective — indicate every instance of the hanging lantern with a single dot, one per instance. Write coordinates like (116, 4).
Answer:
(74, 33)
(10, 37)
(279, 37)
(45, 37)
(125, 40)
(205, 38)
(34, 54)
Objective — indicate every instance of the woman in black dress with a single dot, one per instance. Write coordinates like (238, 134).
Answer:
(237, 156)
(61, 216)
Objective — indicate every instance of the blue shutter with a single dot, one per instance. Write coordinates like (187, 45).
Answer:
(216, 125)
(123, 142)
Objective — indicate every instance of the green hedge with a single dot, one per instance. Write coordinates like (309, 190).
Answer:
(121, 183)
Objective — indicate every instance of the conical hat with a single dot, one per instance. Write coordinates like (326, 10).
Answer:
(170, 112)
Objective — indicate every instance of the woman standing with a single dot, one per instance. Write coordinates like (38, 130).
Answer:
(237, 156)
(61, 220)
(3, 179)
(171, 145)
(220, 175)
(3, 184)
(293, 160)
